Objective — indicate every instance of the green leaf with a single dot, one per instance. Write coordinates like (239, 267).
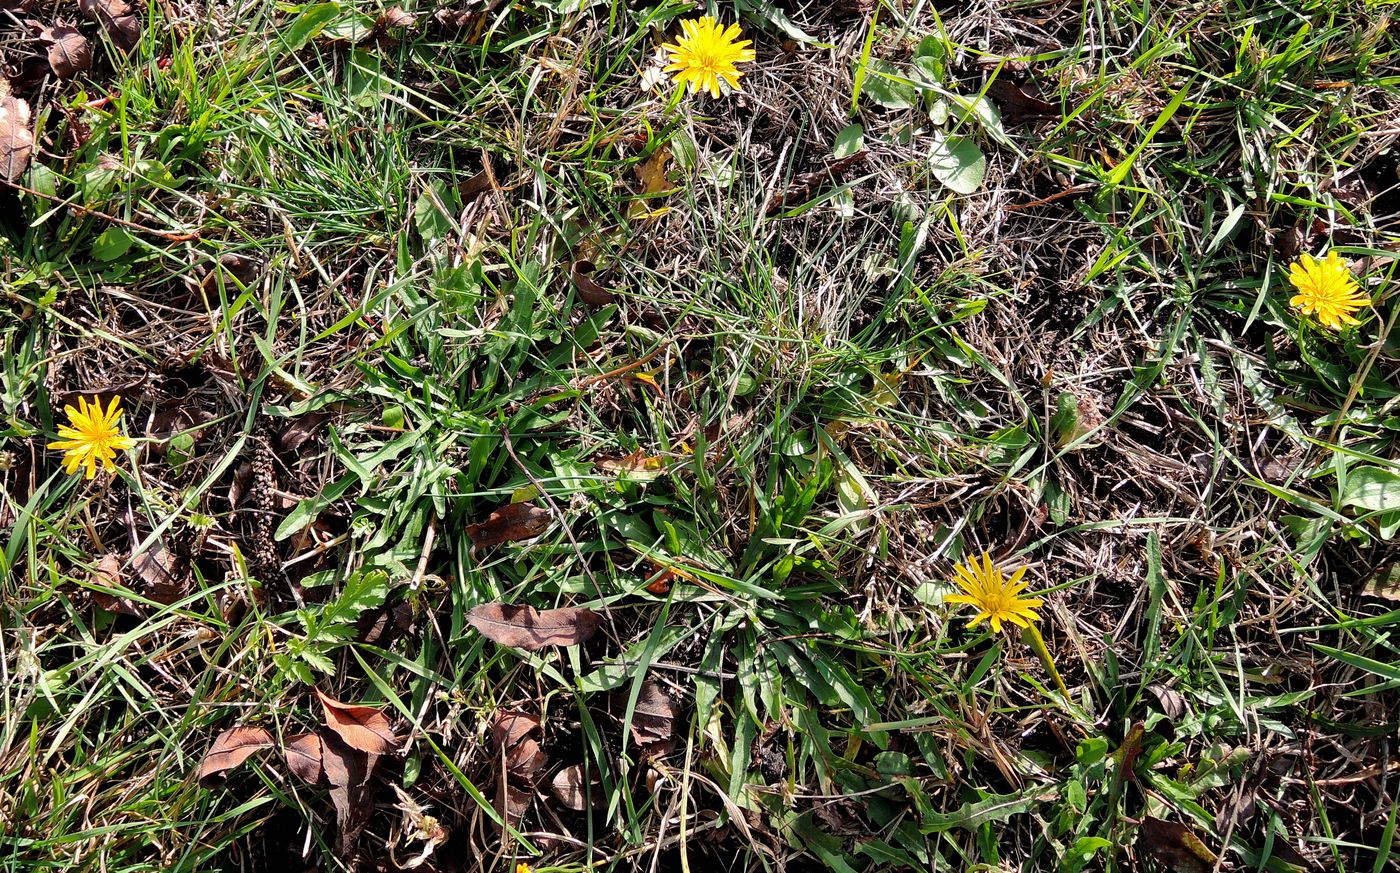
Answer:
(998, 807)
(309, 24)
(1360, 662)
(849, 141)
(957, 162)
(885, 86)
(1371, 488)
(111, 244)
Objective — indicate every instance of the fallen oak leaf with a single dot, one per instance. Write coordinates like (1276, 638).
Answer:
(16, 138)
(69, 52)
(515, 735)
(361, 727)
(653, 719)
(108, 573)
(523, 627)
(572, 791)
(347, 769)
(1018, 105)
(116, 19)
(802, 187)
(303, 756)
(589, 291)
(1174, 846)
(510, 523)
(231, 748)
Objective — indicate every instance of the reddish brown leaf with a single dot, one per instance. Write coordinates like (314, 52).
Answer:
(514, 521)
(524, 627)
(157, 568)
(16, 138)
(589, 291)
(303, 754)
(347, 770)
(516, 737)
(572, 791)
(69, 51)
(396, 17)
(653, 719)
(476, 185)
(361, 727)
(1174, 846)
(301, 429)
(1018, 105)
(108, 573)
(231, 748)
(803, 186)
(116, 18)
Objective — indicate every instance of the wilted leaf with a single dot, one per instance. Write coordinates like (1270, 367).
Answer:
(301, 429)
(116, 19)
(347, 770)
(303, 754)
(1174, 847)
(475, 186)
(572, 791)
(957, 162)
(516, 737)
(653, 719)
(382, 626)
(652, 172)
(589, 291)
(803, 186)
(69, 51)
(16, 138)
(361, 727)
(637, 465)
(1018, 105)
(108, 573)
(396, 17)
(524, 627)
(157, 568)
(1172, 702)
(512, 522)
(231, 748)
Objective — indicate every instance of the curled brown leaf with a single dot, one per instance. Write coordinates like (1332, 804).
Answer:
(512, 522)
(231, 748)
(361, 727)
(16, 138)
(589, 291)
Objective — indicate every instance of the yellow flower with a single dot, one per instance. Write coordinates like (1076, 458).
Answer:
(91, 436)
(708, 53)
(995, 597)
(1326, 289)
(522, 867)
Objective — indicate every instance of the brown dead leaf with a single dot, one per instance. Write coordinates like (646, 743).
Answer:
(361, 727)
(638, 465)
(116, 19)
(653, 719)
(524, 627)
(1018, 104)
(69, 51)
(382, 626)
(231, 748)
(475, 186)
(157, 568)
(108, 573)
(16, 138)
(396, 17)
(1174, 846)
(516, 735)
(303, 754)
(512, 522)
(572, 791)
(803, 186)
(300, 430)
(652, 172)
(589, 291)
(347, 770)
(1172, 702)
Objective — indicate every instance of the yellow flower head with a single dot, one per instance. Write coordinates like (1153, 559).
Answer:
(707, 53)
(1326, 290)
(994, 595)
(522, 867)
(91, 436)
